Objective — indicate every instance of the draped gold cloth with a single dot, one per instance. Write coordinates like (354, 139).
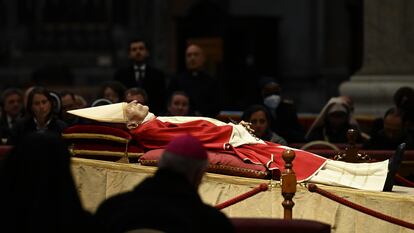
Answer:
(98, 180)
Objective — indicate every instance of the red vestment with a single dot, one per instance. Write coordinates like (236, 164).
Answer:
(156, 134)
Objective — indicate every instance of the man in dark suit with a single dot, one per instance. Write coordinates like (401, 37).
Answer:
(11, 111)
(202, 89)
(141, 74)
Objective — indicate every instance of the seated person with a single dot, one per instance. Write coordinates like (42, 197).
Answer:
(403, 99)
(38, 191)
(203, 89)
(333, 122)
(283, 111)
(39, 116)
(11, 112)
(68, 103)
(178, 104)
(113, 91)
(156, 132)
(260, 121)
(174, 189)
(138, 94)
(391, 135)
(80, 101)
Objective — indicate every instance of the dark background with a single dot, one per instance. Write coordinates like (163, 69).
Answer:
(309, 46)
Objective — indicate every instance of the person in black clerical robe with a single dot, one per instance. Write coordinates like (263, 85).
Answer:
(38, 192)
(202, 89)
(168, 201)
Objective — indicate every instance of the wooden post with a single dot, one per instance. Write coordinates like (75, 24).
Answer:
(288, 180)
(351, 153)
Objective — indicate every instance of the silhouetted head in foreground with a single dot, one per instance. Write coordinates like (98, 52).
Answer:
(38, 192)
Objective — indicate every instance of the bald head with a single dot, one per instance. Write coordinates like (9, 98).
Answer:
(194, 57)
(185, 155)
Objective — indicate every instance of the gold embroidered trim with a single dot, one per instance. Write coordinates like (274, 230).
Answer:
(105, 153)
(95, 136)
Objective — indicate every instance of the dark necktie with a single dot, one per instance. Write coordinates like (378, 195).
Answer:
(139, 74)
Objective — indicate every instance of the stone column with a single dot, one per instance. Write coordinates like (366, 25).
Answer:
(388, 61)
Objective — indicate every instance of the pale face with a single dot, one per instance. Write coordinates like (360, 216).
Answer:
(41, 107)
(138, 52)
(136, 111)
(194, 57)
(259, 123)
(13, 105)
(68, 103)
(179, 106)
(111, 95)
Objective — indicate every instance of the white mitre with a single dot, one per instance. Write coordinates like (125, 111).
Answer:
(111, 113)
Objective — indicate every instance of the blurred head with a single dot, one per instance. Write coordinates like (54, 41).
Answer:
(404, 101)
(111, 95)
(113, 91)
(37, 157)
(194, 57)
(402, 96)
(80, 101)
(393, 124)
(260, 119)
(179, 104)
(68, 103)
(269, 86)
(337, 116)
(39, 104)
(138, 94)
(12, 102)
(348, 100)
(138, 51)
(39, 167)
(185, 155)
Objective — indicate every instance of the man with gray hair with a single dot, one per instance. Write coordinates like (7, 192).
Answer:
(168, 201)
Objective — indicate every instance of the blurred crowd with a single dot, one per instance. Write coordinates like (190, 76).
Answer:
(195, 92)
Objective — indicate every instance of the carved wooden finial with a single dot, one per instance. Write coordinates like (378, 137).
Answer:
(288, 156)
(288, 180)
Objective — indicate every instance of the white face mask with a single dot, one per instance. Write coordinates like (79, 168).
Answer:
(272, 101)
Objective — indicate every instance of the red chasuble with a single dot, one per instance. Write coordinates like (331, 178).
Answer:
(156, 134)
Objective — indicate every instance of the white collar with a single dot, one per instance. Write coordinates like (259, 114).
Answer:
(140, 67)
(149, 116)
(38, 127)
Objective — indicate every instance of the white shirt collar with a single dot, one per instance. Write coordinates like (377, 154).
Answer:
(140, 67)
(40, 128)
